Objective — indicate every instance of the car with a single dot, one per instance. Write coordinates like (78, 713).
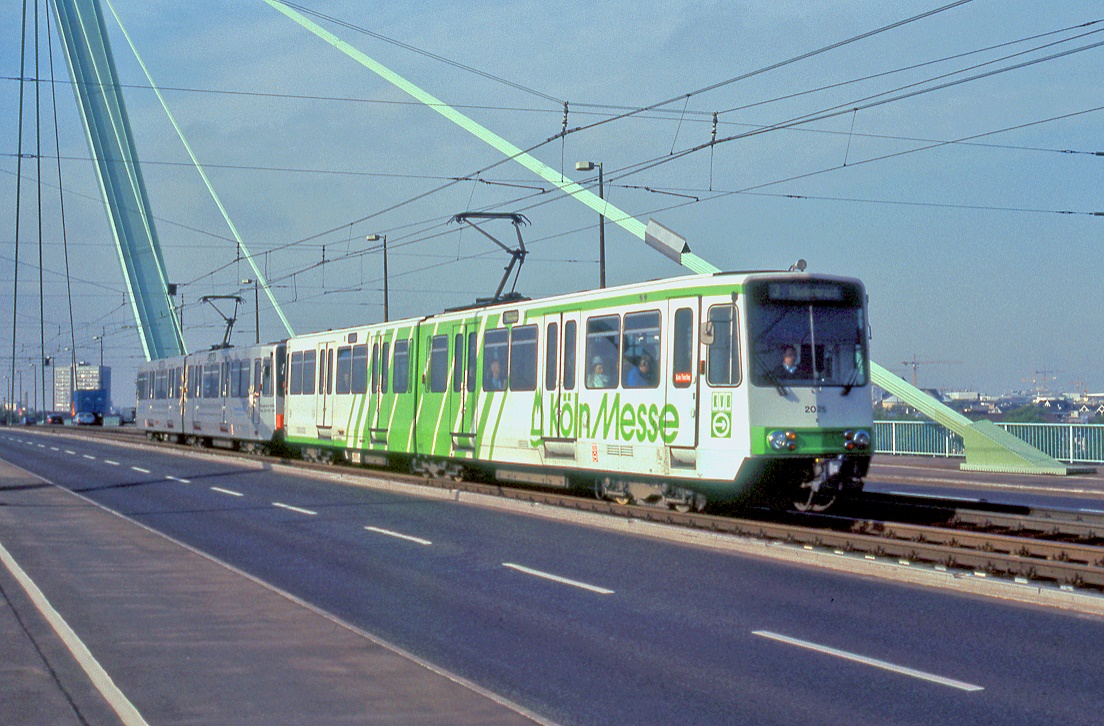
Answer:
(55, 419)
(85, 419)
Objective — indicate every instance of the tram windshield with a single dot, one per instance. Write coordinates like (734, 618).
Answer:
(807, 333)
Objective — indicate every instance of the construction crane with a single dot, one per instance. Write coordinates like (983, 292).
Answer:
(1046, 374)
(916, 363)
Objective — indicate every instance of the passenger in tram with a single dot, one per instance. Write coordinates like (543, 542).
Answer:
(597, 377)
(642, 375)
(497, 379)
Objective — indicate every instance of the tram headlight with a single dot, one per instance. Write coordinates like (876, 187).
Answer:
(862, 440)
(782, 440)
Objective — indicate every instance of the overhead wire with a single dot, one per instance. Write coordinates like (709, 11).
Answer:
(18, 198)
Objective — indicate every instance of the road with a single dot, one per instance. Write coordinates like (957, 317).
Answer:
(581, 625)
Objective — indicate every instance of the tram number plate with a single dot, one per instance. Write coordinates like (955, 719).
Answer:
(816, 409)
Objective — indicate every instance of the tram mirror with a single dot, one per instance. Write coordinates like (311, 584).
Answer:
(707, 335)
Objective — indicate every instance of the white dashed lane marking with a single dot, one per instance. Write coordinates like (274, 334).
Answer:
(557, 578)
(71, 453)
(138, 468)
(290, 508)
(408, 538)
(176, 478)
(92, 458)
(220, 490)
(109, 462)
(884, 665)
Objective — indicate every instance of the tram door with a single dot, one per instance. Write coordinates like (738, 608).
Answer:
(463, 385)
(682, 375)
(561, 378)
(435, 371)
(324, 395)
(255, 392)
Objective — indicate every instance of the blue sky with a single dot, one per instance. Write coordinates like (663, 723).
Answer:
(1002, 292)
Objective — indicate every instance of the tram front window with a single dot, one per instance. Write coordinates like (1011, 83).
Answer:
(807, 333)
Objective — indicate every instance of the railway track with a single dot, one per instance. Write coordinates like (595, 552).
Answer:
(1029, 545)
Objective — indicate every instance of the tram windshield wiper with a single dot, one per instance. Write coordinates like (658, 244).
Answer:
(782, 390)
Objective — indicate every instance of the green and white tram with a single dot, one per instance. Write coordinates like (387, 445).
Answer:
(723, 387)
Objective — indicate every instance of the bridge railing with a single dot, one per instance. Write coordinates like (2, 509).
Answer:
(1073, 443)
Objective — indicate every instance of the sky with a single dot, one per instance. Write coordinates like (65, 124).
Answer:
(977, 256)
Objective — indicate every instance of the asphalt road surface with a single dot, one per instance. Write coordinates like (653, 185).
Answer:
(580, 625)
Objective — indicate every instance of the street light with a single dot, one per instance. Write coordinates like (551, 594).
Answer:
(256, 303)
(382, 238)
(99, 338)
(589, 166)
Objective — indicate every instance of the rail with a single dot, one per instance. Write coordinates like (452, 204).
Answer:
(1072, 443)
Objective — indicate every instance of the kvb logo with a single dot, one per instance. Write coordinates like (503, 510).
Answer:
(720, 423)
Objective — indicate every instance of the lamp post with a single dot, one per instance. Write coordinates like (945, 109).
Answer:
(256, 303)
(589, 166)
(382, 238)
(100, 338)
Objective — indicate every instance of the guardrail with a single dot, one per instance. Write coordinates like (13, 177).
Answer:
(1072, 443)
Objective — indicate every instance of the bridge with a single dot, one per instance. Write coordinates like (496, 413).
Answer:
(305, 594)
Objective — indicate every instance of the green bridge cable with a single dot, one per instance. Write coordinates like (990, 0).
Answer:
(553, 176)
(617, 216)
(214, 195)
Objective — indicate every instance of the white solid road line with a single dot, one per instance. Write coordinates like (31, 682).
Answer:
(281, 505)
(99, 677)
(109, 462)
(407, 537)
(220, 490)
(961, 685)
(93, 458)
(138, 468)
(557, 578)
(176, 478)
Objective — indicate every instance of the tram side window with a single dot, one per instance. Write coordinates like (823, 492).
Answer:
(281, 371)
(344, 369)
(724, 351)
(496, 359)
(457, 362)
(211, 380)
(295, 383)
(243, 379)
(197, 380)
(602, 355)
(473, 359)
(383, 367)
(361, 351)
(640, 346)
(523, 358)
(140, 387)
(360, 368)
(402, 366)
(329, 371)
(438, 364)
(266, 378)
(159, 385)
(551, 354)
(309, 357)
(257, 375)
(569, 355)
(682, 364)
(233, 387)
